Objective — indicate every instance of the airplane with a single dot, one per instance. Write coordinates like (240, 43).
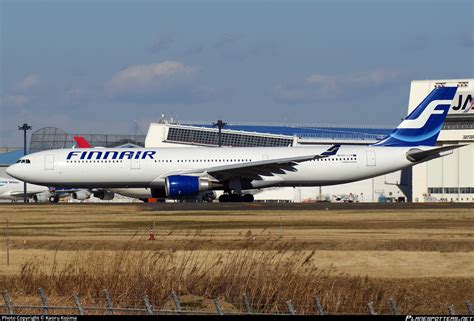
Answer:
(177, 173)
(12, 189)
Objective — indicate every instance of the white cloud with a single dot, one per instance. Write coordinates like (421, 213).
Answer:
(31, 81)
(318, 87)
(166, 82)
(14, 101)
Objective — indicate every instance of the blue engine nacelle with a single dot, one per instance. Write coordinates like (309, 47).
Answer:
(179, 186)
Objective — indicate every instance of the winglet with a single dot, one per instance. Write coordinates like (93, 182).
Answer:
(331, 151)
(82, 142)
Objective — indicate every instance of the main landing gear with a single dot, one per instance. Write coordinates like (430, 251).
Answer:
(54, 199)
(226, 198)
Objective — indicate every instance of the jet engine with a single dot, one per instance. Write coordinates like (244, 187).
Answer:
(81, 195)
(180, 186)
(104, 195)
(41, 197)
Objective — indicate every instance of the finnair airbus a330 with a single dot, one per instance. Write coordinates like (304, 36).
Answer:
(184, 172)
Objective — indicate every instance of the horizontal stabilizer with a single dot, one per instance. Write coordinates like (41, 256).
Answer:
(331, 151)
(417, 155)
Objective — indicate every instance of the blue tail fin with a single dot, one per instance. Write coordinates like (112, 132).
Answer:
(422, 126)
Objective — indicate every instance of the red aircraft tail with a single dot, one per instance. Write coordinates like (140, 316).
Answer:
(82, 142)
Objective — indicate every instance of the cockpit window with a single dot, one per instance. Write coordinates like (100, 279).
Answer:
(18, 161)
(23, 161)
(27, 161)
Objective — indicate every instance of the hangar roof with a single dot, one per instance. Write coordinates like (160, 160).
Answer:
(9, 158)
(303, 131)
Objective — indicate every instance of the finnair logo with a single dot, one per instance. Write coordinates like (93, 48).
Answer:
(421, 120)
(110, 155)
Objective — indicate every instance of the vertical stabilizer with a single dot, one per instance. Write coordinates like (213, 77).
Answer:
(422, 126)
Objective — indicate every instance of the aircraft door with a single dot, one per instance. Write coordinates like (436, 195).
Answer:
(49, 162)
(135, 164)
(371, 161)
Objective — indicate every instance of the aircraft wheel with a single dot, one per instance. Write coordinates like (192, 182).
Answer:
(54, 199)
(224, 198)
(235, 198)
(248, 198)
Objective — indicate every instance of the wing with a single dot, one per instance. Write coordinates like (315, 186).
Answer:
(255, 170)
(21, 194)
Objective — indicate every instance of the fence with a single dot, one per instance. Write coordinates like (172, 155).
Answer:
(148, 309)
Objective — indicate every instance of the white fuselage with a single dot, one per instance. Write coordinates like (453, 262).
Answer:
(351, 163)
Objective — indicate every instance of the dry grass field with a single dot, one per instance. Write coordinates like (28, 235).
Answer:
(421, 257)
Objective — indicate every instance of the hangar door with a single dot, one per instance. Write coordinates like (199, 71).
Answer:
(371, 158)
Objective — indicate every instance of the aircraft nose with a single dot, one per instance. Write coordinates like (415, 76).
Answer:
(13, 171)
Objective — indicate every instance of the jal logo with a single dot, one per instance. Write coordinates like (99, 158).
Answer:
(464, 104)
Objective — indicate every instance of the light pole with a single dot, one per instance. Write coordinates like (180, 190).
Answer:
(220, 124)
(25, 127)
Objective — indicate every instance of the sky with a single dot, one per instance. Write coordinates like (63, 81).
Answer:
(107, 66)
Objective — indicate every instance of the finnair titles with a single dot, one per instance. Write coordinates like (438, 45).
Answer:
(186, 172)
(110, 155)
